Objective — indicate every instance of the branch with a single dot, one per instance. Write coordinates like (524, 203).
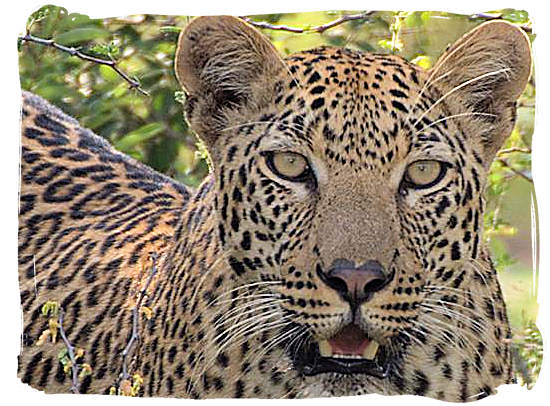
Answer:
(514, 170)
(498, 16)
(135, 320)
(513, 149)
(319, 28)
(70, 350)
(134, 84)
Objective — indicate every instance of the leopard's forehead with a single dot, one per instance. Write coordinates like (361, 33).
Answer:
(340, 68)
(356, 109)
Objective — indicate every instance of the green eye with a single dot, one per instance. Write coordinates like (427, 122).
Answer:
(288, 165)
(425, 173)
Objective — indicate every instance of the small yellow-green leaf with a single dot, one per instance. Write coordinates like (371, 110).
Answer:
(108, 73)
(425, 62)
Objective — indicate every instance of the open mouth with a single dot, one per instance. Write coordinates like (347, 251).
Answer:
(348, 352)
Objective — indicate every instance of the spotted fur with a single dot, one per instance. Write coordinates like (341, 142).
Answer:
(239, 292)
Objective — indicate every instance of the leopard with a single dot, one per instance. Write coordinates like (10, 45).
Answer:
(336, 247)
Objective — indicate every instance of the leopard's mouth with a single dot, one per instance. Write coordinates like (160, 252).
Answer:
(348, 352)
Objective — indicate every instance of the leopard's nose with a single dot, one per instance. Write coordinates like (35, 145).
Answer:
(356, 284)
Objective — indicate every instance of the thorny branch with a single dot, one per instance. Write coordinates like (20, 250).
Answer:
(135, 319)
(134, 84)
(319, 28)
(70, 351)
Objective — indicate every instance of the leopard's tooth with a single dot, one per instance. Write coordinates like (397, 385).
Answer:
(325, 349)
(371, 350)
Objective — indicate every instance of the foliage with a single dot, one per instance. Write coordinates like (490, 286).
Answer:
(70, 357)
(152, 128)
(528, 347)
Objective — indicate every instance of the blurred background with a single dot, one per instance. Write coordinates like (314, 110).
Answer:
(141, 114)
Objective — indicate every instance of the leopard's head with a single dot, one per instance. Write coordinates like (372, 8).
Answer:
(349, 185)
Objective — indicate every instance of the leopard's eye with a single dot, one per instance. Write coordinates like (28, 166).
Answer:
(288, 165)
(424, 174)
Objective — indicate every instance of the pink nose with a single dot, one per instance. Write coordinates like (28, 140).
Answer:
(356, 284)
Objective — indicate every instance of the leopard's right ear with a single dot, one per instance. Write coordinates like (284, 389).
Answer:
(224, 65)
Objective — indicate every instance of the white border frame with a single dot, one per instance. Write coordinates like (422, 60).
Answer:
(13, 23)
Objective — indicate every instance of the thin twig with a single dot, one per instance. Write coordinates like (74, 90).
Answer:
(514, 170)
(498, 16)
(135, 319)
(70, 350)
(319, 28)
(513, 149)
(134, 84)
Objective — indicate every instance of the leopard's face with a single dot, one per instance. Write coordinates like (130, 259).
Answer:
(354, 200)
(349, 193)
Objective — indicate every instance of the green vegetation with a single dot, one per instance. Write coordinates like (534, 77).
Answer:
(151, 127)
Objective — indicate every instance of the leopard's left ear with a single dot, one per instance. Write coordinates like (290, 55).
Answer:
(485, 72)
(224, 64)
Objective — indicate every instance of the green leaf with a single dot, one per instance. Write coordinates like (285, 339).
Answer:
(62, 355)
(170, 29)
(108, 73)
(516, 16)
(144, 133)
(79, 35)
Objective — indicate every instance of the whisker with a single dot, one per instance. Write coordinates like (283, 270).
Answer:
(453, 314)
(249, 285)
(456, 88)
(453, 116)
(238, 313)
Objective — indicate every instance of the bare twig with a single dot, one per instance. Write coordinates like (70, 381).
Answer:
(319, 28)
(134, 84)
(513, 149)
(135, 320)
(70, 351)
(514, 170)
(498, 16)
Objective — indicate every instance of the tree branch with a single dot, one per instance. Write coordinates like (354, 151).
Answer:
(135, 319)
(70, 350)
(134, 84)
(498, 16)
(514, 170)
(513, 149)
(319, 28)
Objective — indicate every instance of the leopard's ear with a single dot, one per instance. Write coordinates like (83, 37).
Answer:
(484, 73)
(223, 64)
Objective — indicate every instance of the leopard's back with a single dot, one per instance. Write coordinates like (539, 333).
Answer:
(89, 220)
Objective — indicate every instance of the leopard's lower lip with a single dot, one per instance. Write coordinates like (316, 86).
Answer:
(378, 368)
